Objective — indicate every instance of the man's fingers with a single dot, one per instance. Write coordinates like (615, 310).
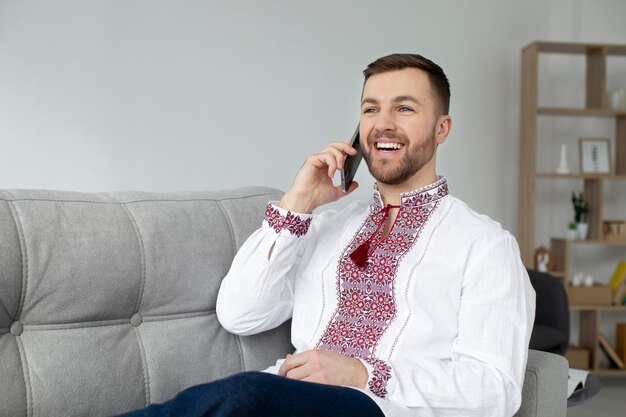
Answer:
(326, 160)
(290, 362)
(344, 147)
(295, 367)
(300, 373)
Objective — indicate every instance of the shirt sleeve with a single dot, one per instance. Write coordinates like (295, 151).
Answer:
(257, 293)
(485, 373)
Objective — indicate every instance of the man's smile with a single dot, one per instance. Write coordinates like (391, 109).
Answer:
(387, 148)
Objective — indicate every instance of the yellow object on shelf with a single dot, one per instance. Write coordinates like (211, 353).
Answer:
(617, 283)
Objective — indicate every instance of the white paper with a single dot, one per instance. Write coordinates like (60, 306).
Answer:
(576, 380)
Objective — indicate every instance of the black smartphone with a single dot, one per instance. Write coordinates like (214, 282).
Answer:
(352, 162)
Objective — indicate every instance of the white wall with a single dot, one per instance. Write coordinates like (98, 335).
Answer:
(178, 95)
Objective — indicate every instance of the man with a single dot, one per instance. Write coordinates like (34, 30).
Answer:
(410, 304)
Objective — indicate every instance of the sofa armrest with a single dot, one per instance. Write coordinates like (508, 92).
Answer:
(545, 386)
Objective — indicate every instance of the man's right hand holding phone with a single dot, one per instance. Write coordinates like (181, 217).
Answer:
(314, 185)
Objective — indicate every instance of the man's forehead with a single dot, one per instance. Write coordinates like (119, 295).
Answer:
(391, 85)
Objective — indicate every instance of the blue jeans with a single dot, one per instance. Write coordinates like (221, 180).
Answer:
(259, 394)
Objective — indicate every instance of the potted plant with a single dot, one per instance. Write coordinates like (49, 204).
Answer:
(581, 208)
(572, 231)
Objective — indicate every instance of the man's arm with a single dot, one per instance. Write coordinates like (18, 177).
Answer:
(257, 293)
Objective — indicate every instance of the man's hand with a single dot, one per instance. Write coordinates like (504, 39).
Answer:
(313, 185)
(325, 367)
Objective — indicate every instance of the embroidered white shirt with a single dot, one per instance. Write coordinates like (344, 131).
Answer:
(440, 314)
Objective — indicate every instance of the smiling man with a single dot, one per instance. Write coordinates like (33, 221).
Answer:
(409, 304)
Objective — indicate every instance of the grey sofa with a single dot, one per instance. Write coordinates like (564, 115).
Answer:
(107, 301)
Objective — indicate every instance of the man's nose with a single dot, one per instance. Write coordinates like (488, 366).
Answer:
(385, 121)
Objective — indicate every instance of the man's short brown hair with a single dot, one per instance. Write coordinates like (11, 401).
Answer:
(438, 80)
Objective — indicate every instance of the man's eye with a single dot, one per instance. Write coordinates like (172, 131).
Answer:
(405, 108)
(369, 110)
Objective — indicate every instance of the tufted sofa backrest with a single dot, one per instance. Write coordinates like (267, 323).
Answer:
(107, 300)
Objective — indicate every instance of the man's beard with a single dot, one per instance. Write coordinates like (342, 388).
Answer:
(389, 172)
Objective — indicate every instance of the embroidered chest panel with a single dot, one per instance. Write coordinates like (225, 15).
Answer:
(366, 296)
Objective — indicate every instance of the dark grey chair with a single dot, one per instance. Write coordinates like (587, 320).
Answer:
(551, 330)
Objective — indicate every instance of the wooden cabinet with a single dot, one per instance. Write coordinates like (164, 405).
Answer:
(595, 105)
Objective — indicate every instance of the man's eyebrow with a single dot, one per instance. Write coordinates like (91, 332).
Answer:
(369, 101)
(398, 99)
(407, 98)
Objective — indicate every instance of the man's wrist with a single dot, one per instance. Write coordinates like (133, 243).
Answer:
(297, 203)
(362, 375)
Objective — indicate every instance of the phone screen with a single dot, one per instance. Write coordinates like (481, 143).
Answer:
(352, 162)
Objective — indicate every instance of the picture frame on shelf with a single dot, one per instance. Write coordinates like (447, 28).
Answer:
(595, 155)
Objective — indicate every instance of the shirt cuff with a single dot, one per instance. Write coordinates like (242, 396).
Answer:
(279, 219)
(379, 374)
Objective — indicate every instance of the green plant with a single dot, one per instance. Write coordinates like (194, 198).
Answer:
(581, 208)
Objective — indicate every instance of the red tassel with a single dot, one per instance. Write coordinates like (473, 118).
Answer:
(359, 256)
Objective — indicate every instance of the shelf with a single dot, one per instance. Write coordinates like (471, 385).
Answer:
(582, 307)
(609, 372)
(581, 176)
(591, 242)
(576, 48)
(594, 106)
(572, 111)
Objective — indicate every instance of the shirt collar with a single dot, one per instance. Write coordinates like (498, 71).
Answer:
(425, 195)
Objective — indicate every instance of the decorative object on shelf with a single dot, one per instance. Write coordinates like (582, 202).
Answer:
(577, 279)
(617, 283)
(577, 357)
(596, 295)
(588, 281)
(563, 168)
(572, 231)
(614, 359)
(595, 155)
(543, 259)
(581, 208)
(614, 230)
(618, 99)
(620, 340)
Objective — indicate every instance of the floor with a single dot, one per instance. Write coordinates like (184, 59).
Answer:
(610, 401)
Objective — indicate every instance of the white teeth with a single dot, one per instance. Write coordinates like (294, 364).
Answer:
(394, 146)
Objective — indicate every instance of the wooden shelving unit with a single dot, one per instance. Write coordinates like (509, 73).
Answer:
(595, 105)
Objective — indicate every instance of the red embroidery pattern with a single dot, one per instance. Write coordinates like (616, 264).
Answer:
(381, 374)
(292, 223)
(366, 296)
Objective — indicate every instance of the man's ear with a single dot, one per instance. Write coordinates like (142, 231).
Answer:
(444, 124)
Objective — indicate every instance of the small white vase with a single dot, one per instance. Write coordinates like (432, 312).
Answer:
(563, 169)
(582, 229)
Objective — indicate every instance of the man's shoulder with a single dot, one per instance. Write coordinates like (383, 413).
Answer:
(464, 220)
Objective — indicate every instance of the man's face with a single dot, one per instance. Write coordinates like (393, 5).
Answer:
(400, 126)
